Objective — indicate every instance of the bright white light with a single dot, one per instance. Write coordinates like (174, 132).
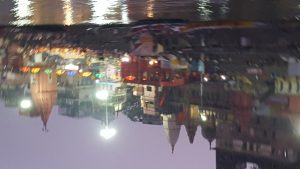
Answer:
(26, 104)
(102, 95)
(125, 18)
(68, 12)
(203, 117)
(223, 77)
(22, 11)
(103, 11)
(71, 67)
(125, 58)
(205, 79)
(152, 62)
(108, 133)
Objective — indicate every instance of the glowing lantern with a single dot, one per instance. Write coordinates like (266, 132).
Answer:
(86, 74)
(125, 58)
(25, 69)
(71, 73)
(60, 72)
(153, 61)
(48, 71)
(35, 70)
(71, 67)
(130, 77)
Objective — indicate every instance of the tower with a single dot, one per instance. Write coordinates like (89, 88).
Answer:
(172, 129)
(43, 88)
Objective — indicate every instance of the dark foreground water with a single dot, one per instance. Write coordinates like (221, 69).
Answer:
(107, 11)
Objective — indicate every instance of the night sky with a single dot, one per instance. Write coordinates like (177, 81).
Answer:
(76, 144)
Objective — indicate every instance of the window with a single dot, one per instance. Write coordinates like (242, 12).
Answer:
(149, 105)
(149, 88)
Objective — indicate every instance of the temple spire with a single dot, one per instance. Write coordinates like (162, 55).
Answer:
(45, 129)
(173, 147)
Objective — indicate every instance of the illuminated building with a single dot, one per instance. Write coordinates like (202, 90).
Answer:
(265, 137)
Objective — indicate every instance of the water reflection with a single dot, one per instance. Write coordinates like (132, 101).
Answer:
(23, 11)
(238, 86)
(67, 12)
(150, 6)
(203, 8)
(105, 11)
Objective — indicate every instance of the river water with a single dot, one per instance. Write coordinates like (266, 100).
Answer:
(67, 12)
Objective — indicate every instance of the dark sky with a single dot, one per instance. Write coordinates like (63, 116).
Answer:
(76, 144)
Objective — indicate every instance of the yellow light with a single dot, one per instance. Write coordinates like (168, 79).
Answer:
(86, 74)
(35, 70)
(203, 117)
(150, 9)
(60, 72)
(115, 77)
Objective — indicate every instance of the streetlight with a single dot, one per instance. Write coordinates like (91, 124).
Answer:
(223, 77)
(205, 79)
(26, 104)
(107, 132)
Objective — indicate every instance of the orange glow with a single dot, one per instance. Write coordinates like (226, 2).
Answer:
(130, 77)
(25, 69)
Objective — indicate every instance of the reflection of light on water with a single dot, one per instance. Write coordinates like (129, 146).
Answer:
(224, 8)
(150, 7)
(22, 12)
(203, 9)
(125, 18)
(68, 12)
(103, 11)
